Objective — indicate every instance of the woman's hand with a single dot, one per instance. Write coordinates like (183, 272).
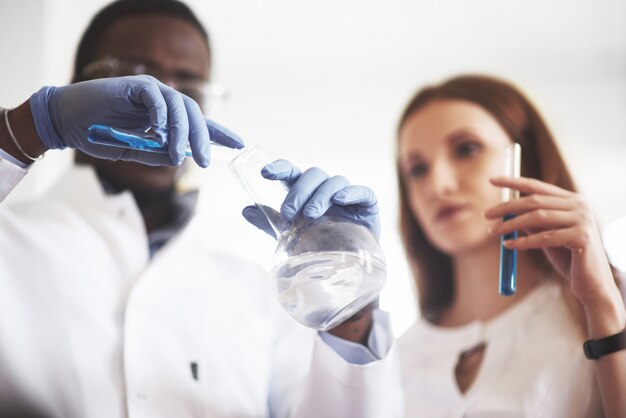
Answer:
(561, 224)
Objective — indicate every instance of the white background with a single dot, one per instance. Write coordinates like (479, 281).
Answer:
(323, 83)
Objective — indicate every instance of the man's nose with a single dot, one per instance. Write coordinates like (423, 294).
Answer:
(164, 76)
(168, 80)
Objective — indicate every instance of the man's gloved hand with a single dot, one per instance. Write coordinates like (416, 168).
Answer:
(62, 116)
(313, 194)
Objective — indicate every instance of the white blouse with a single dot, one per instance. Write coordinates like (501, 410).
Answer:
(533, 364)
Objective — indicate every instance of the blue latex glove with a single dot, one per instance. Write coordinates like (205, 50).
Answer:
(63, 114)
(313, 194)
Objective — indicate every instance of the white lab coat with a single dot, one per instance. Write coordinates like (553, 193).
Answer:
(90, 327)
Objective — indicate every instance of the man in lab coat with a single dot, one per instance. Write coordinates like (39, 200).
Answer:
(111, 304)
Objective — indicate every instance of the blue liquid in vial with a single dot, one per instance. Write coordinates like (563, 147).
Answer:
(123, 138)
(508, 264)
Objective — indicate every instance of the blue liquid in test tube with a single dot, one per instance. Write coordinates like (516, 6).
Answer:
(145, 141)
(124, 138)
(508, 264)
(508, 257)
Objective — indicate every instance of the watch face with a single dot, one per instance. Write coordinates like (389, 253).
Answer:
(588, 347)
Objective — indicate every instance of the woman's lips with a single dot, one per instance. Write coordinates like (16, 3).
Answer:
(448, 212)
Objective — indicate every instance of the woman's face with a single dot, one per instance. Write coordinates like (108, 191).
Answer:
(448, 151)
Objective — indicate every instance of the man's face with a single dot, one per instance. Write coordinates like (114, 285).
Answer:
(172, 50)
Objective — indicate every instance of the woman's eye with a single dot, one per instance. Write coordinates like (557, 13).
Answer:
(467, 149)
(417, 170)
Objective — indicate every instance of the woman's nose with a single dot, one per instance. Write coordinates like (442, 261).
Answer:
(443, 179)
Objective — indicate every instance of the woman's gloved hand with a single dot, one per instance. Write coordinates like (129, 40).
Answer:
(62, 116)
(313, 194)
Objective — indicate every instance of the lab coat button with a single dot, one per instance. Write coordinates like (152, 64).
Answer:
(141, 396)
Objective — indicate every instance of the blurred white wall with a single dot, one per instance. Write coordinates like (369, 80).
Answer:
(322, 83)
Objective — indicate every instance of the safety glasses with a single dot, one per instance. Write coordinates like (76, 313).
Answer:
(209, 96)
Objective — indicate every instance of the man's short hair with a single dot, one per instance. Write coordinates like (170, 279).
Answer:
(90, 42)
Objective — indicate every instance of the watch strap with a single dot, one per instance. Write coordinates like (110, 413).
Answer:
(594, 349)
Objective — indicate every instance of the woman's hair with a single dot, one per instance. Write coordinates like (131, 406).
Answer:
(432, 269)
(90, 43)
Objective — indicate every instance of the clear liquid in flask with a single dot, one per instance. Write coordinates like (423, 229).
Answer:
(323, 289)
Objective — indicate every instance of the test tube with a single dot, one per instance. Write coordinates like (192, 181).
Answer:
(508, 257)
(145, 141)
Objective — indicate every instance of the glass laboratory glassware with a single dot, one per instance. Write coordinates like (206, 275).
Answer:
(323, 270)
(507, 284)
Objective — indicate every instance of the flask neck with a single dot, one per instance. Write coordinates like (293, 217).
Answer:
(279, 225)
(268, 195)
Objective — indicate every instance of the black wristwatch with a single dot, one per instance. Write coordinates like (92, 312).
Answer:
(594, 349)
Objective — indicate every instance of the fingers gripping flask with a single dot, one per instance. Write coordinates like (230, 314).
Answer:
(323, 270)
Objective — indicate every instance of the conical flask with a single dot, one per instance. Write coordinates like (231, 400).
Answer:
(323, 270)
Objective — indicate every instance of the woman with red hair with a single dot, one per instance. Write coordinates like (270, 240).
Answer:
(474, 352)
